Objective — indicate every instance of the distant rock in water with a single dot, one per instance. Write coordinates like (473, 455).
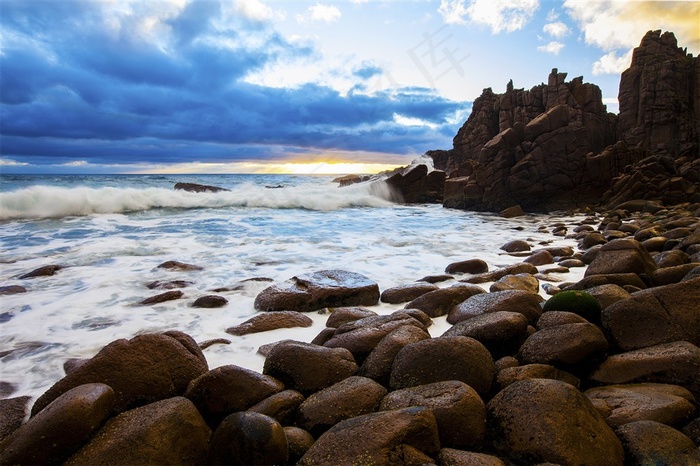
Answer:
(555, 146)
(198, 188)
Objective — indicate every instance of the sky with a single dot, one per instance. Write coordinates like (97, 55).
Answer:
(252, 86)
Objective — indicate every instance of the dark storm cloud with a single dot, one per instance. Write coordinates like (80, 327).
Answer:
(77, 85)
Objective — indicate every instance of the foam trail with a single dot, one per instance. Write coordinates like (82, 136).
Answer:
(57, 202)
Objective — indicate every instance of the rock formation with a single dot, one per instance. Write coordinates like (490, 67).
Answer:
(556, 146)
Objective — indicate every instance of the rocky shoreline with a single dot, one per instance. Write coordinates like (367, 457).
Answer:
(605, 371)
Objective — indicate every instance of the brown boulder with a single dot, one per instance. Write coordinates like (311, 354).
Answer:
(444, 358)
(298, 441)
(210, 301)
(650, 442)
(271, 321)
(348, 398)
(61, 428)
(511, 375)
(522, 302)
(622, 256)
(177, 265)
(377, 366)
(169, 431)
(308, 368)
(379, 439)
(657, 315)
(439, 302)
(540, 420)
(556, 318)
(343, 315)
(564, 346)
(516, 245)
(452, 457)
(147, 368)
(501, 332)
(520, 281)
(497, 274)
(248, 438)
(12, 414)
(12, 289)
(540, 258)
(45, 271)
(227, 389)
(198, 188)
(621, 404)
(406, 293)
(418, 185)
(326, 288)
(468, 266)
(675, 363)
(281, 406)
(459, 411)
(163, 297)
(608, 294)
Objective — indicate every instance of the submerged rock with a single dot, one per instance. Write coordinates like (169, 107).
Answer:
(198, 188)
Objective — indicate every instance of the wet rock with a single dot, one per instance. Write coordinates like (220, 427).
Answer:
(540, 258)
(168, 285)
(621, 404)
(622, 256)
(343, 315)
(169, 431)
(281, 406)
(214, 341)
(650, 442)
(522, 302)
(378, 364)
(620, 279)
(499, 273)
(45, 271)
(181, 266)
(512, 212)
(439, 302)
(346, 399)
(555, 318)
(12, 414)
(501, 332)
(418, 185)
(692, 430)
(361, 337)
(379, 439)
(248, 438)
(675, 363)
(308, 368)
(163, 297)
(511, 375)
(298, 441)
(608, 294)
(571, 263)
(271, 321)
(227, 389)
(452, 457)
(577, 302)
(436, 278)
(461, 358)
(671, 258)
(517, 245)
(591, 239)
(543, 420)
(12, 289)
(467, 266)
(406, 293)
(657, 315)
(61, 428)
(671, 275)
(564, 346)
(521, 281)
(198, 188)
(327, 288)
(210, 301)
(147, 368)
(459, 411)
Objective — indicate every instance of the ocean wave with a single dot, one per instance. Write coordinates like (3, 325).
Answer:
(38, 202)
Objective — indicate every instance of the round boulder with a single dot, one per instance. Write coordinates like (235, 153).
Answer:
(439, 302)
(248, 438)
(501, 332)
(271, 321)
(564, 346)
(511, 375)
(468, 266)
(522, 302)
(281, 406)
(517, 245)
(210, 301)
(650, 442)
(406, 293)
(578, 302)
(378, 364)
(520, 281)
(343, 315)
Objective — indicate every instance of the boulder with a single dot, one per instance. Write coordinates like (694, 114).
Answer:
(45, 271)
(12, 289)
(326, 288)
(650, 442)
(511, 375)
(12, 414)
(540, 258)
(406, 293)
(441, 359)
(162, 297)
(228, 389)
(517, 245)
(378, 364)
(468, 266)
(541, 420)
(346, 399)
(501, 332)
(624, 280)
(452, 457)
(271, 321)
(147, 368)
(497, 274)
(169, 431)
(381, 439)
(439, 302)
(198, 188)
(248, 438)
(181, 266)
(308, 368)
(459, 411)
(675, 363)
(343, 315)
(577, 302)
(520, 281)
(210, 301)
(61, 428)
(522, 302)
(622, 256)
(608, 294)
(418, 185)
(281, 406)
(556, 318)
(622, 404)
(657, 315)
(564, 346)
(298, 442)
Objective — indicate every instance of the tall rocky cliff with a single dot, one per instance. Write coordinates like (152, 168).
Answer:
(556, 146)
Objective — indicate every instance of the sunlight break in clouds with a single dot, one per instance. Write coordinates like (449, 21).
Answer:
(256, 10)
(553, 47)
(320, 12)
(506, 15)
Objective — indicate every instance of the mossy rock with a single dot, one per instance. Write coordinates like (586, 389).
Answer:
(578, 302)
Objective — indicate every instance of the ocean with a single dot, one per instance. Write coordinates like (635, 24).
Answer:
(110, 233)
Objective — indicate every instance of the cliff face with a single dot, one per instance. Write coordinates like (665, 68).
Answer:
(556, 146)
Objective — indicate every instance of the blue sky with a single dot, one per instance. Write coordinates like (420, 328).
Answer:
(219, 86)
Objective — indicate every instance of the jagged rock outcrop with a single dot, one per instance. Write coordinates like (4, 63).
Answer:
(556, 146)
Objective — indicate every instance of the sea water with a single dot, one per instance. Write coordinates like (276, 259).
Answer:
(110, 233)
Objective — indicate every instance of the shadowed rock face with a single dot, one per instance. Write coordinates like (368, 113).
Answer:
(556, 145)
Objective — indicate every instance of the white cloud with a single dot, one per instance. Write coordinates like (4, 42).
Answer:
(552, 16)
(453, 11)
(553, 47)
(505, 15)
(12, 163)
(320, 12)
(612, 64)
(556, 30)
(257, 10)
(76, 163)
